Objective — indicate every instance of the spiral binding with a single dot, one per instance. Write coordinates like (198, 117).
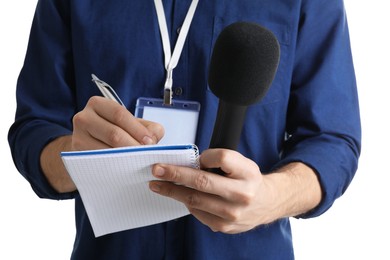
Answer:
(195, 157)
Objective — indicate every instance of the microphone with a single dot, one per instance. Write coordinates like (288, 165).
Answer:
(243, 65)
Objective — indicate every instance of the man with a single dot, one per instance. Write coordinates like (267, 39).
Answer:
(298, 150)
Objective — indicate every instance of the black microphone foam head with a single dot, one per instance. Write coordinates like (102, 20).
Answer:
(243, 64)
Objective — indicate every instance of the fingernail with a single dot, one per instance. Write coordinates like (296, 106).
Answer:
(158, 171)
(147, 140)
(154, 187)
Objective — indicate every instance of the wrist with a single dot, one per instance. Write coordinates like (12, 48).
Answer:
(295, 190)
(53, 167)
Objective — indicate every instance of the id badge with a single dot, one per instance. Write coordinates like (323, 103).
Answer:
(180, 120)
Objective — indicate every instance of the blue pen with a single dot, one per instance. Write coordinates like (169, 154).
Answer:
(106, 89)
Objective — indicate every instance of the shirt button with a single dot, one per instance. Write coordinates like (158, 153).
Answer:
(178, 91)
(178, 30)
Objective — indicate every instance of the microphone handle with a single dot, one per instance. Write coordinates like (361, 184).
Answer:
(228, 125)
(227, 128)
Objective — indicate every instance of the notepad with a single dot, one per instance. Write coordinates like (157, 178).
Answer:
(113, 185)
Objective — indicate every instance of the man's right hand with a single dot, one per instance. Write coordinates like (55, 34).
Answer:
(103, 123)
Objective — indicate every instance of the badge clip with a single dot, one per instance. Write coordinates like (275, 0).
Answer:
(168, 89)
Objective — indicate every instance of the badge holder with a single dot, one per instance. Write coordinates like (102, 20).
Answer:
(180, 119)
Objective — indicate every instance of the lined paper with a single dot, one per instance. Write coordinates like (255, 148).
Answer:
(113, 185)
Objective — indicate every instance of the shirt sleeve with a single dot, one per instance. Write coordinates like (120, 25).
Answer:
(45, 103)
(323, 122)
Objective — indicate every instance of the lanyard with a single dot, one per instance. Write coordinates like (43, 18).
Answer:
(171, 60)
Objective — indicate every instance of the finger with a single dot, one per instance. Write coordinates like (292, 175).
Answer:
(86, 142)
(193, 199)
(96, 129)
(211, 210)
(215, 223)
(114, 136)
(218, 224)
(232, 163)
(157, 129)
(196, 179)
(119, 116)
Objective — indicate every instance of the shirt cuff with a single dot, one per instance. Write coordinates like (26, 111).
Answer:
(333, 166)
(28, 148)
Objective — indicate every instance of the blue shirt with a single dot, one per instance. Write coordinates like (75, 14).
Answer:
(310, 113)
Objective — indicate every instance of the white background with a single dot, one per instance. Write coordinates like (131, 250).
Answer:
(356, 227)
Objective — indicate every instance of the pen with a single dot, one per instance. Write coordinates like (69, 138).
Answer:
(106, 89)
